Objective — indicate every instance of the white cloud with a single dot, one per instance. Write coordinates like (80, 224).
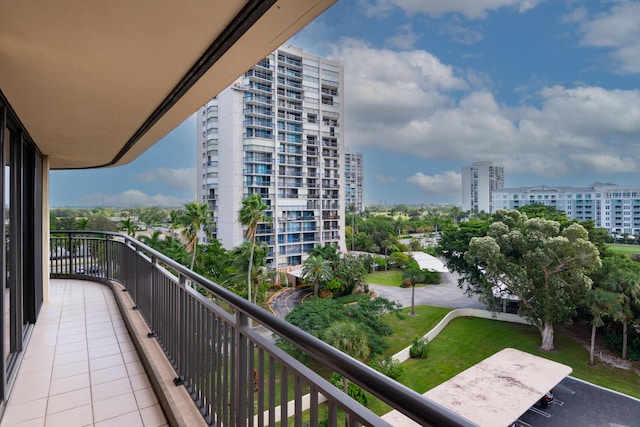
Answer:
(410, 103)
(176, 178)
(472, 9)
(404, 39)
(617, 30)
(446, 183)
(131, 198)
(385, 179)
(577, 15)
(604, 163)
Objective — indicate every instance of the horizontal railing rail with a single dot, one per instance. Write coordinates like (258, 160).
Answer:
(234, 374)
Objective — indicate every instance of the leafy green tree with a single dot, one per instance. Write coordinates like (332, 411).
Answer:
(539, 210)
(532, 259)
(66, 223)
(316, 269)
(251, 215)
(153, 215)
(316, 314)
(101, 222)
(621, 276)
(399, 259)
(194, 217)
(454, 242)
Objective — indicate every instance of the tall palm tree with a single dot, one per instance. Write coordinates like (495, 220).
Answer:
(316, 269)
(623, 279)
(413, 276)
(251, 215)
(193, 218)
(352, 211)
(351, 339)
(601, 303)
(129, 226)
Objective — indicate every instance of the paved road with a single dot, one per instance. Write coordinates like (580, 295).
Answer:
(446, 295)
(287, 301)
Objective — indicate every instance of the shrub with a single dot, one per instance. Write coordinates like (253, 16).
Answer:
(390, 367)
(353, 390)
(419, 348)
(431, 277)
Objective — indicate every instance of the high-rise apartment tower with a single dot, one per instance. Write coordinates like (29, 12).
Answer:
(478, 180)
(277, 131)
(353, 182)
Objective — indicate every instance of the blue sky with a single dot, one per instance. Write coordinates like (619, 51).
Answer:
(548, 89)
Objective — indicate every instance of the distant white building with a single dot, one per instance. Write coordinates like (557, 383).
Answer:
(353, 177)
(478, 181)
(610, 206)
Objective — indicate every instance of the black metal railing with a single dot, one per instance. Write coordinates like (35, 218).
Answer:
(234, 374)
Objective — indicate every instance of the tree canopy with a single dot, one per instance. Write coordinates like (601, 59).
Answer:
(545, 267)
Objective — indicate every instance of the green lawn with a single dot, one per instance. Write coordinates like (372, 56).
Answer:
(467, 341)
(387, 278)
(625, 249)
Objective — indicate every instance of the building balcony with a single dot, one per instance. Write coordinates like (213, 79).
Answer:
(131, 321)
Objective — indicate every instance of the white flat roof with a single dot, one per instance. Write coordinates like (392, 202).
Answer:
(496, 391)
(428, 261)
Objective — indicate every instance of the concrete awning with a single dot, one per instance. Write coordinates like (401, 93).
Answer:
(496, 391)
(429, 262)
(97, 83)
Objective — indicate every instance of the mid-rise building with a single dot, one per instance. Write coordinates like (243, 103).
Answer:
(478, 181)
(353, 178)
(610, 206)
(277, 131)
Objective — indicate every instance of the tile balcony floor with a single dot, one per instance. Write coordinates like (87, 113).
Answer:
(81, 367)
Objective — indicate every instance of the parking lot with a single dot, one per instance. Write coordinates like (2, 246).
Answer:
(580, 404)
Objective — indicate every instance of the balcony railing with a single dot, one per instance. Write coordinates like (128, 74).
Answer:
(234, 374)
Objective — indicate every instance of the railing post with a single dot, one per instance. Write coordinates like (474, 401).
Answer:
(70, 264)
(107, 257)
(242, 369)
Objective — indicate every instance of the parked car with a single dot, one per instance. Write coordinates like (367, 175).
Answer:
(545, 400)
(91, 269)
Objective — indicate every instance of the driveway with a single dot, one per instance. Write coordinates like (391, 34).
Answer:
(447, 295)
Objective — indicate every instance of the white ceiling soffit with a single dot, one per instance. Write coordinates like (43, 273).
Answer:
(98, 83)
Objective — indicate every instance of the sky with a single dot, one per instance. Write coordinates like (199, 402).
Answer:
(549, 89)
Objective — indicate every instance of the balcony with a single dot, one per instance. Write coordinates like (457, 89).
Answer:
(209, 349)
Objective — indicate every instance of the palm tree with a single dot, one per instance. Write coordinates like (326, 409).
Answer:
(623, 279)
(413, 276)
(352, 210)
(83, 223)
(193, 218)
(316, 269)
(129, 226)
(153, 240)
(350, 339)
(251, 215)
(601, 303)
